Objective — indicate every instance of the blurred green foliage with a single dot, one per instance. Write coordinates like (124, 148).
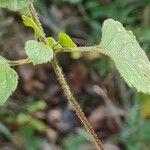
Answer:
(77, 141)
(136, 131)
(27, 125)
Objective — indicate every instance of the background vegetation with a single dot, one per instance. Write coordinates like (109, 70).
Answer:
(37, 116)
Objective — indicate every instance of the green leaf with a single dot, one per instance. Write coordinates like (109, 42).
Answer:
(51, 41)
(5, 131)
(23, 118)
(36, 106)
(53, 44)
(8, 80)
(38, 124)
(65, 41)
(30, 23)
(14, 5)
(38, 52)
(130, 60)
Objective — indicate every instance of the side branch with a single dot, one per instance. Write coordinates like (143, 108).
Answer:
(19, 62)
(77, 49)
(57, 50)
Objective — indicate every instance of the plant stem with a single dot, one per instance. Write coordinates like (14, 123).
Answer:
(77, 49)
(58, 50)
(19, 62)
(76, 106)
(59, 73)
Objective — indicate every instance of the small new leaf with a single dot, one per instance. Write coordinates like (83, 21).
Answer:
(51, 42)
(8, 80)
(130, 60)
(30, 23)
(14, 5)
(65, 41)
(38, 52)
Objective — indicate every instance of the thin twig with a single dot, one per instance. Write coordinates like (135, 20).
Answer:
(77, 49)
(57, 50)
(19, 62)
(59, 73)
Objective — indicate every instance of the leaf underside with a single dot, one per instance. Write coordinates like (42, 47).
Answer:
(8, 80)
(14, 5)
(130, 60)
(38, 52)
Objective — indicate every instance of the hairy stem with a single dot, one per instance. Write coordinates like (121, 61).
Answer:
(19, 62)
(77, 49)
(76, 106)
(57, 50)
(59, 73)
